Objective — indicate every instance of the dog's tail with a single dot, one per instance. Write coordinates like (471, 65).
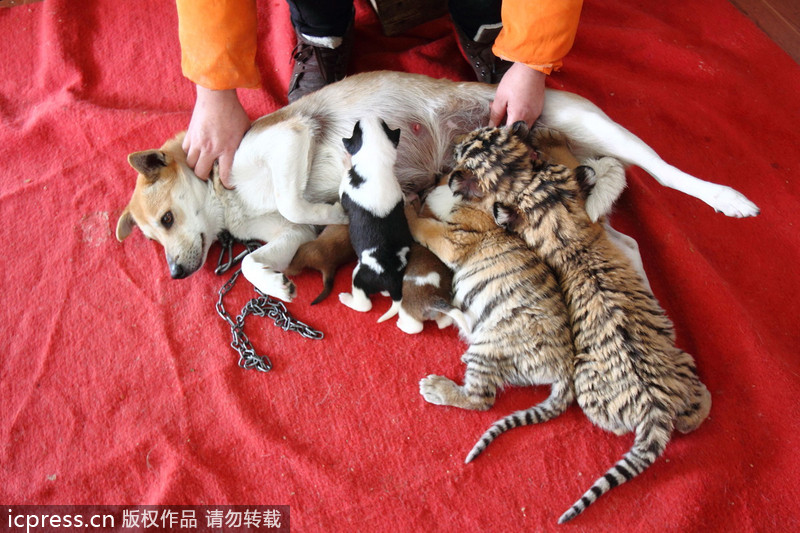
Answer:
(592, 133)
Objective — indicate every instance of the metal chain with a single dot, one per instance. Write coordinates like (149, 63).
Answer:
(262, 305)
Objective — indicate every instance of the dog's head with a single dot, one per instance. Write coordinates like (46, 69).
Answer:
(170, 205)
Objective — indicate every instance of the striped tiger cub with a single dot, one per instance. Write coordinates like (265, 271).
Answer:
(519, 331)
(628, 375)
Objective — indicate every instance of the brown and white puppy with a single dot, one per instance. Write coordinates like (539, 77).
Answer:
(427, 294)
(287, 170)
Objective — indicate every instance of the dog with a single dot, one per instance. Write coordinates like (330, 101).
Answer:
(373, 201)
(287, 170)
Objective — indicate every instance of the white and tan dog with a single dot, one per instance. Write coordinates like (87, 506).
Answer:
(289, 166)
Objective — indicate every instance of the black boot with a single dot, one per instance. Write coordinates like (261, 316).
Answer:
(316, 66)
(488, 67)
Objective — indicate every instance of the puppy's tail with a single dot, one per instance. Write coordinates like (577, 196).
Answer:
(327, 286)
(393, 310)
(462, 321)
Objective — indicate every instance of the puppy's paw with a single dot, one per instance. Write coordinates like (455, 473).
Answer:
(444, 321)
(438, 390)
(409, 324)
(269, 281)
(732, 203)
(354, 302)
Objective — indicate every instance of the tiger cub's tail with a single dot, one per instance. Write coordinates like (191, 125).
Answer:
(561, 396)
(652, 436)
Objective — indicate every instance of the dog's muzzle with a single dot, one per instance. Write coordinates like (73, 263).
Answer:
(177, 270)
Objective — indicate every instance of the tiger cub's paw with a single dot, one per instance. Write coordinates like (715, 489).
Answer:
(439, 390)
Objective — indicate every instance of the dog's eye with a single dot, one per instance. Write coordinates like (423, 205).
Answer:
(167, 220)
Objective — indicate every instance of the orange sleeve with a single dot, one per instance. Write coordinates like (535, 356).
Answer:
(538, 33)
(218, 43)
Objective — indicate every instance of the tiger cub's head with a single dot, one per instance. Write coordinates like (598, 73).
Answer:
(497, 168)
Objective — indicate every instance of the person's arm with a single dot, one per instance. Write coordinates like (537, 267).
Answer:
(535, 36)
(218, 43)
(218, 50)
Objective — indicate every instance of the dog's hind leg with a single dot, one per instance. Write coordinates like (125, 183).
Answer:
(264, 267)
(591, 129)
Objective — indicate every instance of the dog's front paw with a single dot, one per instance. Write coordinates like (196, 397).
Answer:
(732, 203)
(286, 289)
(269, 281)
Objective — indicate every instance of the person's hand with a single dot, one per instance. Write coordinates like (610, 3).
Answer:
(217, 126)
(519, 96)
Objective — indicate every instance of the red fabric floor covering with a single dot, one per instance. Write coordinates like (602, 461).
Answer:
(117, 384)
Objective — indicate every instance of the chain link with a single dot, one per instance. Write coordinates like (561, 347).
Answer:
(262, 305)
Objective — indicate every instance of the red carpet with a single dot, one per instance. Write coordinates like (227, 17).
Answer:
(117, 384)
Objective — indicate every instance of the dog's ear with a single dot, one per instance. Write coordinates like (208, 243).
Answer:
(465, 183)
(394, 135)
(353, 144)
(505, 216)
(149, 163)
(125, 224)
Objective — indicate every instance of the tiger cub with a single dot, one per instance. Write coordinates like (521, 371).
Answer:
(629, 375)
(519, 331)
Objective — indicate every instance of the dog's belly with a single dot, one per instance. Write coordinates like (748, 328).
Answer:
(429, 112)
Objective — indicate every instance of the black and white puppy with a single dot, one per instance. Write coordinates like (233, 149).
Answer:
(373, 200)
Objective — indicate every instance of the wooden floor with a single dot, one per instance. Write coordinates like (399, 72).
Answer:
(779, 19)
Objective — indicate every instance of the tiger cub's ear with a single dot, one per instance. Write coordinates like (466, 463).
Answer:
(521, 130)
(465, 183)
(505, 216)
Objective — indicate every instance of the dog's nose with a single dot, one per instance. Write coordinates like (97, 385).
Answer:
(177, 271)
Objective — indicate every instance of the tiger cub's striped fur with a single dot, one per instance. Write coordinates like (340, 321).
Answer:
(629, 375)
(520, 331)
